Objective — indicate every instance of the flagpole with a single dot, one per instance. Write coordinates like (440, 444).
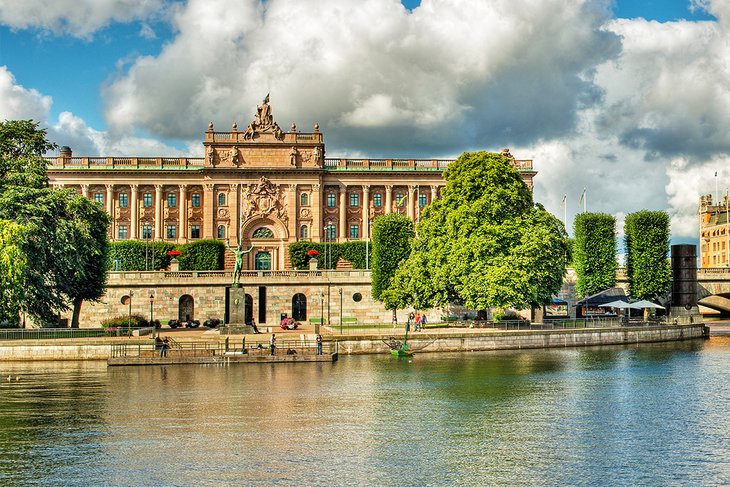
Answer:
(717, 195)
(585, 200)
(565, 211)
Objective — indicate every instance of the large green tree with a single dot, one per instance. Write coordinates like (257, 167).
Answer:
(594, 252)
(57, 239)
(392, 235)
(484, 243)
(647, 247)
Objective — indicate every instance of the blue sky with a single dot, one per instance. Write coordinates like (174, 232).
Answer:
(589, 89)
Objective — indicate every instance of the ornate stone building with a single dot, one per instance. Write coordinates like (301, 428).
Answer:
(714, 232)
(262, 187)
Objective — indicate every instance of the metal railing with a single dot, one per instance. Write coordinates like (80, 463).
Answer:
(220, 348)
(54, 333)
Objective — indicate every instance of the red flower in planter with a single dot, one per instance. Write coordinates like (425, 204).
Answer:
(312, 253)
(174, 253)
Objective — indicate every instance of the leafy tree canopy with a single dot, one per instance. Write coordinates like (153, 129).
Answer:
(392, 235)
(22, 145)
(594, 252)
(484, 243)
(647, 247)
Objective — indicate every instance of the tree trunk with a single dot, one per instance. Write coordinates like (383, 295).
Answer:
(76, 313)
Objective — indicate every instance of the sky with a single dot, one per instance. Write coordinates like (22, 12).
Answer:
(628, 100)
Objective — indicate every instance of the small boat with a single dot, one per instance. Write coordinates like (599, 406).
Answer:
(401, 352)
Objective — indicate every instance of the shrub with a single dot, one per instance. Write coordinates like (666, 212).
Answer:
(137, 321)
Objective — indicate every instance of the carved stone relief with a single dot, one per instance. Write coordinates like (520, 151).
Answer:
(264, 199)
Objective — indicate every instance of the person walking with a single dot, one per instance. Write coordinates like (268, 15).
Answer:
(319, 344)
(423, 322)
(272, 343)
(418, 322)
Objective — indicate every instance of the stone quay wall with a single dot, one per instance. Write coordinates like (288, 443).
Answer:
(527, 339)
(442, 341)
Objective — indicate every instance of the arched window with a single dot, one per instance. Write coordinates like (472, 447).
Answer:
(221, 231)
(304, 199)
(303, 231)
(299, 307)
(263, 261)
(221, 199)
(263, 232)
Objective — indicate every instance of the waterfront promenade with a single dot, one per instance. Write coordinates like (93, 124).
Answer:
(352, 341)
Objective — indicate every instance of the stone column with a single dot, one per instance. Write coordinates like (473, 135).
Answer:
(365, 212)
(110, 208)
(434, 193)
(317, 212)
(182, 214)
(409, 202)
(134, 211)
(388, 198)
(208, 210)
(85, 190)
(343, 212)
(293, 212)
(158, 212)
(234, 209)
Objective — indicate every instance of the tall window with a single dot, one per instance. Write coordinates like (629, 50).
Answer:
(303, 231)
(354, 199)
(331, 200)
(331, 232)
(377, 200)
(171, 200)
(354, 231)
(147, 199)
(171, 231)
(123, 232)
(422, 199)
(146, 231)
(262, 261)
(194, 231)
(221, 231)
(400, 199)
(304, 199)
(195, 199)
(99, 197)
(221, 199)
(123, 200)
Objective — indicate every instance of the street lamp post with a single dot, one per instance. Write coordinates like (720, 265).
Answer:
(340, 311)
(321, 310)
(129, 319)
(154, 328)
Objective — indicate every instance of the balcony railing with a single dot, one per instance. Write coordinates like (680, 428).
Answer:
(125, 162)
(334, 164)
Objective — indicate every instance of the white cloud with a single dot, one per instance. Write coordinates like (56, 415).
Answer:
(80, 18)
(449, 74)
(17, 102)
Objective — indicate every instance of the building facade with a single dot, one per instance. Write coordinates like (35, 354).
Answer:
(261, 187)
(714, 232)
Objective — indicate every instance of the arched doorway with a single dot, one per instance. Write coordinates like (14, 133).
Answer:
(248, 313)
(299, 307)
(263, 261)
(186, 308)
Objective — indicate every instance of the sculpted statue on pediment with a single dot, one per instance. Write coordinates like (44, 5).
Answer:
(263, 123)
(264, 199)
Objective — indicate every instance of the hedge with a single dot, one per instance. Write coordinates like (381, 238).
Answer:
(201, 255)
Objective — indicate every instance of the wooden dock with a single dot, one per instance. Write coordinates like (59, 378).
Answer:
(218, 354)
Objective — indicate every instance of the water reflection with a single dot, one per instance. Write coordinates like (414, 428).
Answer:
(619, 415)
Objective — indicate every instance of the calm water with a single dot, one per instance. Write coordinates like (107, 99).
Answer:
(654, 415)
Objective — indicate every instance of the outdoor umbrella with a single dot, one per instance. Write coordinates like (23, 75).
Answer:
(616, 304)
(645, 304)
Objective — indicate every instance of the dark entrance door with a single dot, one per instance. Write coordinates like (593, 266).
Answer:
(186, 308)
(299, 307)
